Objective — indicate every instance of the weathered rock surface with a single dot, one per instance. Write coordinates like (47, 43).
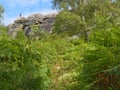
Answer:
(44, 21)
(35, 18)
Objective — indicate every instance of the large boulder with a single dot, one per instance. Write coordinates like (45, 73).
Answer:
(13, 28)
(48, 22)
(21, 20)
(45, 22)
(35, 18)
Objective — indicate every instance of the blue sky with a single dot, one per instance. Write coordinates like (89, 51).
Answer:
(26, 7)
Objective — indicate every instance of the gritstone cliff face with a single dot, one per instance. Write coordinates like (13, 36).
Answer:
(43, 21)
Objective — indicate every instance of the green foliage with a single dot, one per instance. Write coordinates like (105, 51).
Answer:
(57, 62)
(3, 31)
(62, 62)
(35, 32)
(67, 23)
(20, 36)
(86, 15)
(21, 66)
(102, 63)
(1, 12)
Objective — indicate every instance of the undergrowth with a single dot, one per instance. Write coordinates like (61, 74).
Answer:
(55, 62)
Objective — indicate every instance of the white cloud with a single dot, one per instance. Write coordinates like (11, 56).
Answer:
(8, 19)
(22, 3)
(44, 12)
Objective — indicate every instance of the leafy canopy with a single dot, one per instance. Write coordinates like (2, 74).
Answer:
(1, 12)
(89, 13)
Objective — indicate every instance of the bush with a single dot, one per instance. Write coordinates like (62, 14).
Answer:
(21, 66)
(67, 23)
(101, 64)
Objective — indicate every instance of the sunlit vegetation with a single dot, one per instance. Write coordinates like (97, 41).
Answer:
(80, 54)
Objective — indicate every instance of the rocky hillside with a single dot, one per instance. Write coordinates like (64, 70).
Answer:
(45, 22)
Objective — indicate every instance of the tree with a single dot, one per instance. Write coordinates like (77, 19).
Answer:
(91, 12)
(1, 12)
(67, 23)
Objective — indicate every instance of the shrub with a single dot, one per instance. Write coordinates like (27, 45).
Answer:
(21, 66)
(101, 64)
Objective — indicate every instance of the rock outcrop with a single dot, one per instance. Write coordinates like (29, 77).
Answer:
(45, 22)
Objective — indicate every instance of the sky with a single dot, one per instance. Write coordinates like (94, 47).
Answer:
(13, 8)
